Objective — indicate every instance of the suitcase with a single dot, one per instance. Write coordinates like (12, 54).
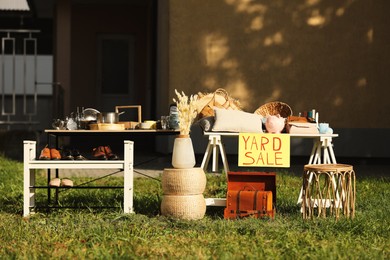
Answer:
(250, 194)
(254, 180)
(249, 203)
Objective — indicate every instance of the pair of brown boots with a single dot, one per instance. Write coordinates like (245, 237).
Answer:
(50, 154)
(104, 153)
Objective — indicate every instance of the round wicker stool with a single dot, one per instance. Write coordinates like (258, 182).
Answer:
(328, 189)
(183, 193)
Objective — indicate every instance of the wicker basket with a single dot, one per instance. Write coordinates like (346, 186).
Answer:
(274, 108)
(220, 98)
(183, 207)
(190, 181)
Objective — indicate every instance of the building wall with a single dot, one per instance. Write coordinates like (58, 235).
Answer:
(327, 55)
(332, 56)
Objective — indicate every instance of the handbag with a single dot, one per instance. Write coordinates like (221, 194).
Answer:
(220, 99)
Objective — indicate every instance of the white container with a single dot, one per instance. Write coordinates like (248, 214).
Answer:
(145, 125)
(183, 155)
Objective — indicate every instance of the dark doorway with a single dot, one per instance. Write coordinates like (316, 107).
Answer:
(113, 56)
(116, 77)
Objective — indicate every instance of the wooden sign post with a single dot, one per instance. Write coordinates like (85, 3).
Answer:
(264, 150)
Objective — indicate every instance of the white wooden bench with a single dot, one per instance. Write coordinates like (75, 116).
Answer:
(31, 164)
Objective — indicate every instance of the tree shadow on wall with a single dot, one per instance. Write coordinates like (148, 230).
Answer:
(309, 54)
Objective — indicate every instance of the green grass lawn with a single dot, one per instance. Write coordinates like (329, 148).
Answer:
(108, 233)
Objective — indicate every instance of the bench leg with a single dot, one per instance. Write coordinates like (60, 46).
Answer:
(28, 177)
(128, 178)
(28, 192)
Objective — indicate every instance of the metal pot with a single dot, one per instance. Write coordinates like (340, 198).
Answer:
(108, 117)
(90, 114)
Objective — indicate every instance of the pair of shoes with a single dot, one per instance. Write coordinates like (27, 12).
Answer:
(104, 153)
(77, 155)
(71, 154)
(66, 154)
(49, 154)
(99, 153)
(57, 182)
(110, 155)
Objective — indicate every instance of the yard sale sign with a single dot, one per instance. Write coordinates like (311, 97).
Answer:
(264, 150)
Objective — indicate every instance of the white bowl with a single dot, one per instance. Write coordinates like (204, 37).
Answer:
(145, 125)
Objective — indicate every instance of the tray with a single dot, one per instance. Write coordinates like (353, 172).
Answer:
(107, 126)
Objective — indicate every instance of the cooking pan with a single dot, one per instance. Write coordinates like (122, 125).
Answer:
(108, 117)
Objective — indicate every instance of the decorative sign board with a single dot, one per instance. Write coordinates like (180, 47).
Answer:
(264, 150)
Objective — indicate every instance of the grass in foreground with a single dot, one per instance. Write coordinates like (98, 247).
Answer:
(107, 233)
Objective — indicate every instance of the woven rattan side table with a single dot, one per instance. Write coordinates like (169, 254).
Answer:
(328, 189)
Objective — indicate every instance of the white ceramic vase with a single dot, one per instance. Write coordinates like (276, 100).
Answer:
(183, 155)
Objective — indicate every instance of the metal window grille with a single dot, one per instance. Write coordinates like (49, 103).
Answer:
(14, 44)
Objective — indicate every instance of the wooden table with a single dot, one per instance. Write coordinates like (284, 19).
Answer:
(94, 133)
(322, 152)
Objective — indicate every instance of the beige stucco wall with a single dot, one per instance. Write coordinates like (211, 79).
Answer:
(333, 56)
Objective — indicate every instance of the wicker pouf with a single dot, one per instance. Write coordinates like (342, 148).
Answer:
(183, 181)
(328, 189)
(183, 193)
(183, 206)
